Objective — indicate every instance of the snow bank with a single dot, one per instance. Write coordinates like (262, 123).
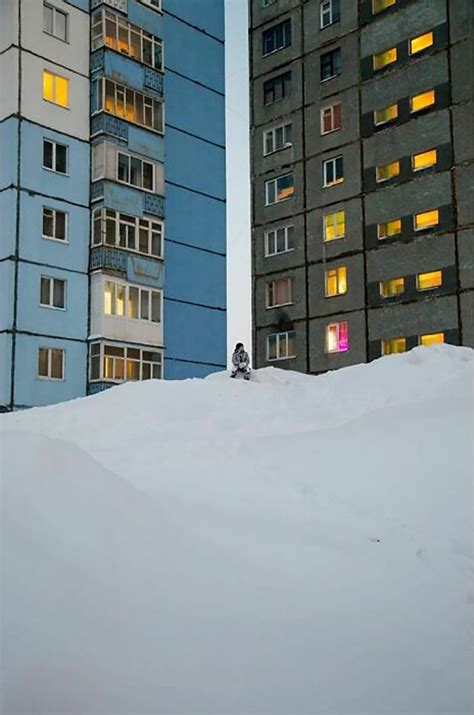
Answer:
(285, 546)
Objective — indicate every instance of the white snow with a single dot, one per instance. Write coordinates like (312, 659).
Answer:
(293, 545)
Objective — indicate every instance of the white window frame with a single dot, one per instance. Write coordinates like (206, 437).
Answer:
(56, 11)
(50, 354)
(143, 161)
(323, 11)
(331, 108)
(51, 281)
(338, 328)
(66, 225)
(325, 216)
(280, 338)
(275, 181)
(152, 107)
(55, 76)
(153, 4)
(273, 30)
(98, 22)
(272, 132)
(290, 282)
(101, 355)
(141, 289)
(326, 164)
(266, 237)
(55, 144)
(105, 215)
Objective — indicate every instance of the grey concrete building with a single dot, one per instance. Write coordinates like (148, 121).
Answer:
(362, 157)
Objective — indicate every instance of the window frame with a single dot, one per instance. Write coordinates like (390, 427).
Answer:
(336, 52)
(52, 280)
(389, 235)
(66, 224)
(284, 80)
(129, 157)
(382, 180)
(121, 96)
(426, 106)
(101, 355)
(436, 272)
(426, 166)
(332, 161)
(272, 32)
(55, 144)
(153, 5)
(391, 3)
(432, 335)
(126, 286)
(338, 329)
(269, 288)
(397, 292)
(384, 109)
(333, 11)
(279, 337)
(330, 108)
(340, 280)
(54, 78)
(102, 16)
(272, 132)
(56, 11)
(266, 236)
(50, 354)
(378, 55)
(384, 344)
(275, 180)
(325, 225)
(104, 215)
(425, 228)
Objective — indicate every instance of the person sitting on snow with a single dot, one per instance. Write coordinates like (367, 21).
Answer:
(240, 362)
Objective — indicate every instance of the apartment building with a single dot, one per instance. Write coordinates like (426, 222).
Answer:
(362, 179)
(112, 195)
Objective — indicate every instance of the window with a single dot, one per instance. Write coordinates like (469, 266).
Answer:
(55, 89)
(420, 43)
(331, 118)
(135, 171)
(55, 156)
(276, 138)
(55, 22)
(279, 292)
(112, 228)
(276, 38)
(380, 5)
(52, 293)
(334, 225)
(431, 339)
(330, 64)
(336, 281)
(276, 89)
(51, 363)
(279, 189)
(267, 3)
(393, 346)
(424, 160)
(429, 281)
(385, 58)
(422, 101)
(427, 219)
(54, 224)
(120, 362)
(155, 4)
(387, 171)
(279, 240)
(393, 287)
(333, 171)
(281, 346)
(128, 104)
(385, 115)
(115, 32)
(337, 337)
(133, 302)
(389, 228)
(329, 12)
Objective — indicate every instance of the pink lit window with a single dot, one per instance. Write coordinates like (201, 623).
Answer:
(280, 292)
(337, 337)
(331, 118)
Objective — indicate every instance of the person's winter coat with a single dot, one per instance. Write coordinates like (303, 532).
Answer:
(240, 359)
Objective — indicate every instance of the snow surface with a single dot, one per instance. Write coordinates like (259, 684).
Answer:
(293, 545)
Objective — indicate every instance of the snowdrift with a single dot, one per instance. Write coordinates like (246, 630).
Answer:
(293, 545)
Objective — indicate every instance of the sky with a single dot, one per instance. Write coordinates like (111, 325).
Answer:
(238, 175)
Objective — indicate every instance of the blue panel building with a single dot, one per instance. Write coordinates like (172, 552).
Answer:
(112, 195)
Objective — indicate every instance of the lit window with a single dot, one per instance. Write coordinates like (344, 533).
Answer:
(51, 363)
(132, 302)
(329, 12)
(55, 89)
(120, 362)
(331, 118)
(427, 219)
(385, 115)
(55, 156)
(279, 292)
(55, 22)
(420, 43)
(279, 240)
(387, 171)
(52, 293)
(333, 171)
(337, 337)
(393, 346)
(336, 281)
(281, 346)
(130, 105)
(277, 138)
(380, 5)
(389, 228)
(130, 232)
(330, 64)
(382, 59)
(395, 286)
(279, 189)
(334, 225)
(276, 38)
(431, 339)
(422, 101)
(424, 160)
(115, 32)
(54, 224)
(428, 281)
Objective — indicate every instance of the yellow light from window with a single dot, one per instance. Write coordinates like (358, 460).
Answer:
(336, 281)
(120, 304)
(427, 219)
(387, 114)
(428, 281)
(108, 368)
(382, 59)
(420, 43)
(334, 225)
(390, 228)
(424, 160)
(48, 86)
(387, 171)
(394, 345)
(108, 298)
(422, 101)
(380, 5)
(431, 339)
(395, 286)
(62, 91)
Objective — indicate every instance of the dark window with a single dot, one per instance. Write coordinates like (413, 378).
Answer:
(277, 88)
(276, 38)
(54, 156)
(330, 64)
